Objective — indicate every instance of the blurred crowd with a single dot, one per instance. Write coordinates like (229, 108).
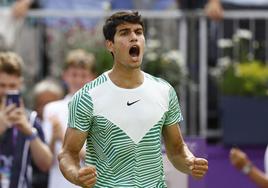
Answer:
(34, 138)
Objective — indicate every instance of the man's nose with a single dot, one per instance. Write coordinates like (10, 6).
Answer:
(133, 37)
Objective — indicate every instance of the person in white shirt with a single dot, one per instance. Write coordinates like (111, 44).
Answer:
(122, 116)
(45, 91)
(78, 70)
(12, 14)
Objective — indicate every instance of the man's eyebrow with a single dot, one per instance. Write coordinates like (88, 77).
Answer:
(138, 29)
(128, 29)
(124, 29)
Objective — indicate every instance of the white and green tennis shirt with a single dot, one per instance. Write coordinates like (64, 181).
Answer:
(124, 129)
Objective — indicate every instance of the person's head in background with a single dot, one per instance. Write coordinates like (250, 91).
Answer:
(46, 91)
(10, 72)
(79, 68)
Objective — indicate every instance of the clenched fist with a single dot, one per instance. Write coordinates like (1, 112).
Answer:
(198, 167)
(87, 176)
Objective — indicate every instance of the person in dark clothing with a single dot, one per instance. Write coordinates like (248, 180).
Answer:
(21, 136)
(213, 8)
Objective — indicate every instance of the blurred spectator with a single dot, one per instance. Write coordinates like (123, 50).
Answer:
(241, 161)
(78, 70)
(12, 15)
(21, 135)
(256, 26)
(213, 8)
(16, 30)
(20, 7)
(45, 91)
(214, 11)
(65, 33)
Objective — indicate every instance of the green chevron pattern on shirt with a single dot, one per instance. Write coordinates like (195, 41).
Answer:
(120, 161)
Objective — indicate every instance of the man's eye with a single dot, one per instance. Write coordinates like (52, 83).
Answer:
(139, 32)
(123, 33)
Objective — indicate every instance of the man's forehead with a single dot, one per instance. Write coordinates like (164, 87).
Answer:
(129, 26)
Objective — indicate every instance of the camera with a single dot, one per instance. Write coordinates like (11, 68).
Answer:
(13, 97)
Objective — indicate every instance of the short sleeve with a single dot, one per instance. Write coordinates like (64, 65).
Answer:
(80, 111)
(173, 114)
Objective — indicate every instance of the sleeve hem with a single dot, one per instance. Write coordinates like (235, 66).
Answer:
(178, 120)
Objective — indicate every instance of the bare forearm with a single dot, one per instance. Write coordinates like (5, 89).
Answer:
(258, 177)
(41, 154)
(178, 158)
(180, 155)
(69, 165)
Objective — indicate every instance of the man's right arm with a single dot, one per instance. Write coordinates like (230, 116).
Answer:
(69, 160)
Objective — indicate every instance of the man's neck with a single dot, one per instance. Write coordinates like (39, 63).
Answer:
(127, 79)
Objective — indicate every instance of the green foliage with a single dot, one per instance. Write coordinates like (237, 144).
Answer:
(245, 79)
(104, 60)
(166, 64)
(238, 73)
(168, 70)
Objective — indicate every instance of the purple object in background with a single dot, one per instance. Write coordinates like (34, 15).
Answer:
(221, 173)
(198, 147)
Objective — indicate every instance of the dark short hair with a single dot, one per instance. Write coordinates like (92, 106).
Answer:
(118, 18)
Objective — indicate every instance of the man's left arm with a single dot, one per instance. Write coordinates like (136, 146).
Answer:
(179, 154)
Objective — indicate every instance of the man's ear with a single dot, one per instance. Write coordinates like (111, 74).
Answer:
(109, 45)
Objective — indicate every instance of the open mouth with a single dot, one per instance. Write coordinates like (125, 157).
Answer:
(134, 51)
